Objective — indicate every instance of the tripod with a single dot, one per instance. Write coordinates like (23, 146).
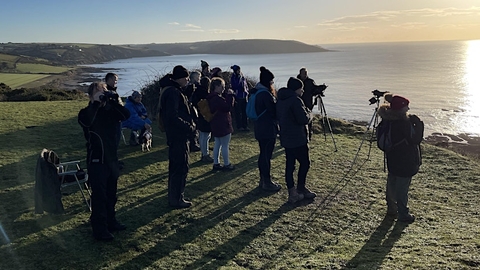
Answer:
(372, 124)
(325, 121)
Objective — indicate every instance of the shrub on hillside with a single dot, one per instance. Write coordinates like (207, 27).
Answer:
(151, 92)
(38, 94)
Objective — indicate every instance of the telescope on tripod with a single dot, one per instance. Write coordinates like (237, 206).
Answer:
(318, 93)
(372, 125)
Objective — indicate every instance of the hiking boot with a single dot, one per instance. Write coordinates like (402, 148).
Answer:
(181, 204)
(104, 236)
(206, 158)
(294, 196)
(217, 167)
(194, 148)
(268, 185)
(229, 167)
(407, 219)
(307, 194)
(116, 226)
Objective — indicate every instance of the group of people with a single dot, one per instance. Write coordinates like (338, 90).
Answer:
(285, 114)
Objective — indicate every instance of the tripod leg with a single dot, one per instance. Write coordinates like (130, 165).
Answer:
(324, 112)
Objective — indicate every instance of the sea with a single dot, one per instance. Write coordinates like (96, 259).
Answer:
(440, 78)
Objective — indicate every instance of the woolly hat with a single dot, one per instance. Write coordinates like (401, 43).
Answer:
(398, 102)
(294, 84)
(265, 76)
(136, 94)
(235, 67)
(179, 72)
(204, 64)
(216, 72)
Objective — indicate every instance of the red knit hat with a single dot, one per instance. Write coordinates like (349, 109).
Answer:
(398, 102)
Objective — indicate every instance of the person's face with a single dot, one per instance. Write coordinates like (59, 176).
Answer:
(303, 74)
(112, 81)
(195, 78)
(299, 92)
(138, 99)
(183, 81)
(219, 88)
(237, 71)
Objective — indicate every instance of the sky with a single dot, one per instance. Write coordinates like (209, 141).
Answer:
(312, 22)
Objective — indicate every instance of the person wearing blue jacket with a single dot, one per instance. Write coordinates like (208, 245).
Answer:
(138, 120)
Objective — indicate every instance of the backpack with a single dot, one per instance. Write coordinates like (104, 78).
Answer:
(384, 136)
(204, 109)
(250, 109)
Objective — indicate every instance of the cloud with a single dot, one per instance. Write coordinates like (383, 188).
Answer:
(300, 26)
(225, 31)
(412, 18)
(192, 30)
(189, 25)
(173, 23)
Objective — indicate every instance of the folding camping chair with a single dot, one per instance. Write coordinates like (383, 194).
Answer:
(74, 176)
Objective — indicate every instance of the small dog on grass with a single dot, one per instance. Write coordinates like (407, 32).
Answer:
(146, 140)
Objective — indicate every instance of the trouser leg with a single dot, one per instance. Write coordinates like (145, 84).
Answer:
(303, 158)
(390, 193)
(98, 177)
(264, 159)
(112, 182)
(177, 170)
(289, 167)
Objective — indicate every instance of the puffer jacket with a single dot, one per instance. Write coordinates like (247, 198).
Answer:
(239, 86)
(404, 159)
(137, 110)
(220, 106)
(176, 112)
(266, 126)
(293, 118)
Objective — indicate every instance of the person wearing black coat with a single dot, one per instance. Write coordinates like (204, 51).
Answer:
(99, 122)
(404, 159)
(266, 127)
(178, 119)
(202, 125)
(308, 98)
(293, 118)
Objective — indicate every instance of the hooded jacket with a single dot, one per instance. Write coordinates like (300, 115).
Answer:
(99, 125)
(176, 112)
(293, 118)
(404, 159)
(137, 110)
(239, 85)
(266, 126)
(201, 93)
(220, 106)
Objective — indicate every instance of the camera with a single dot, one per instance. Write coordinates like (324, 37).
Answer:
(378, 93)
(319, 90)
(108, 96)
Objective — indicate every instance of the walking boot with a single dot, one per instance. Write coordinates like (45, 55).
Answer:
(269, 185)
(307, 194)
(294, 196)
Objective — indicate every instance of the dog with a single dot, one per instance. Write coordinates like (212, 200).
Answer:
(146, 140)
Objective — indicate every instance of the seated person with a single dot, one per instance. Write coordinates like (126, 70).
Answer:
(138, 120)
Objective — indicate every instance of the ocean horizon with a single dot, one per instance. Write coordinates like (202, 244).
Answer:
(440, 78)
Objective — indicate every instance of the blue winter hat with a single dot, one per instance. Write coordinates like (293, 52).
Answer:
(235, 67)
(136, 94)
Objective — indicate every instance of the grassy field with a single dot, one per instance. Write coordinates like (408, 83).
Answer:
(17, 80)
(41, 68)
(233, 224)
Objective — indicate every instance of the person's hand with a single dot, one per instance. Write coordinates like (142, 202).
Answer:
(230, 92)
(96, 96)
(143, 117)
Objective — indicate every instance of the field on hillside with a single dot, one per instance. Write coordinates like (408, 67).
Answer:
(41, 68)
(17, 80)
(233, 224)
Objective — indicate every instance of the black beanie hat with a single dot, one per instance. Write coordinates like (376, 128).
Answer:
(265, 76)
(179, 72)
(204, 64)
(294, 84)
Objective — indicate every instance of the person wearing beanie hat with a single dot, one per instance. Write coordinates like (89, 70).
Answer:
(265, 127)
(216, 72)
(239, 85)
(293, 118)
(177, 117)
(404, 156)
(138, 121)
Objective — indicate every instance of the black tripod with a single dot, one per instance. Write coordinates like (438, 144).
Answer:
(325, 120)
(371, 125)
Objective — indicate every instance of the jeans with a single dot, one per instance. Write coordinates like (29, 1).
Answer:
(292, 155)
(397, 194)
(264, 159)
(221, 144)
(177, 170)
(203, 139)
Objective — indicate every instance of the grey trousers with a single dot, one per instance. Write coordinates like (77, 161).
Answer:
(397, 194)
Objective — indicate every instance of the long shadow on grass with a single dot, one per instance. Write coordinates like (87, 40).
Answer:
(373, 253)
(195, 228)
